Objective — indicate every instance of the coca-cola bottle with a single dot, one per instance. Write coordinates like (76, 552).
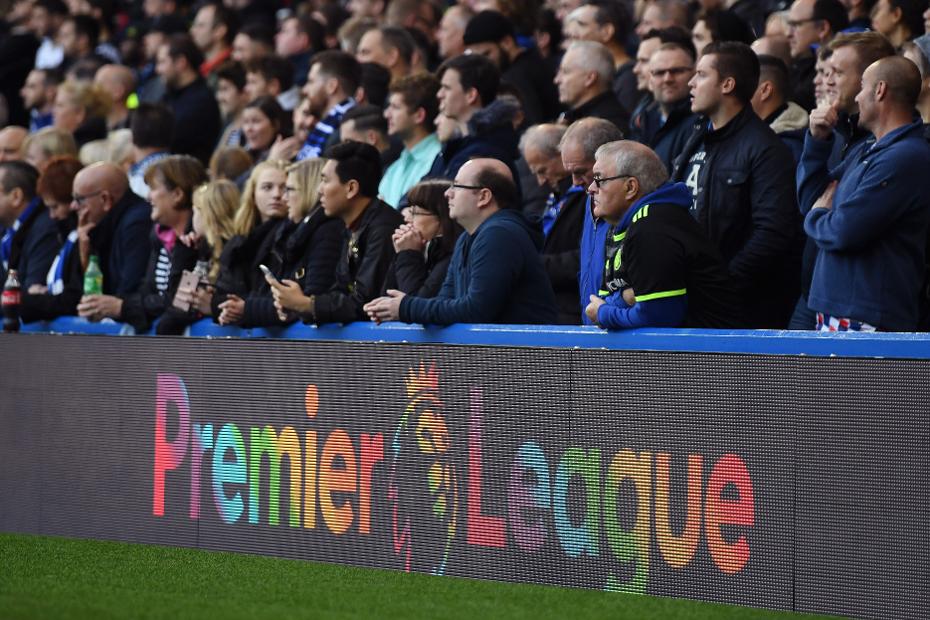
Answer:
(10, 302)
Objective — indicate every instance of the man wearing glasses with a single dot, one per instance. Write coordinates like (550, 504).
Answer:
(496, 274)
(811, 23)
(114, 224)
(660, 269)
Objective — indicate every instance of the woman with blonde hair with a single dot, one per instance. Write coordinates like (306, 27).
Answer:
(262, 212)
(48, 142)
(81, 108)
(212, 223)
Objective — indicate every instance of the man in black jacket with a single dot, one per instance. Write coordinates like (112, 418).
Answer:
(584, 80)
(30, 240)
(562, 217)
(348, 190)
(196, 114)
(741, 176)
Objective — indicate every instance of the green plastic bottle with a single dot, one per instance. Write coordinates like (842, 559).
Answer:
(93, 277)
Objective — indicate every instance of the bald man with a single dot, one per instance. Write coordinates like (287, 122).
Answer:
(11, 142)
(114, 224)
(871, 220)
(660, 269)
(496, 274)
(119, 82)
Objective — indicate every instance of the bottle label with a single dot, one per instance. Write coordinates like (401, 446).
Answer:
(10, 298)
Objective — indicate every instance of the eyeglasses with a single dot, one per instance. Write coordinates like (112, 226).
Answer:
(671, 72)
(455, 186)
(82, 199)
(599, 181)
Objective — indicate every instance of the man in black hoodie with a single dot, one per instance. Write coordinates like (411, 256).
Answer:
(740, 174)
(348, 190)
(496, 274)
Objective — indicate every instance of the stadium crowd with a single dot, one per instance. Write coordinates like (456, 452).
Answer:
(712, 163)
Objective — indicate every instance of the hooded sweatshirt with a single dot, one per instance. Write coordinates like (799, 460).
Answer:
(496, 276)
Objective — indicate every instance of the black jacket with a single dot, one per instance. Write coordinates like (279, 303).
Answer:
(561, 254)
(307, 253)
(747, 207)
(606, 106)
(366, 254)
(34, 247)
(669, 137)
(47, 307)
(416, 274)
(531, 77)
(196, 120)
(120, 241)
(624, 86)
(147, 304)
(803, 71)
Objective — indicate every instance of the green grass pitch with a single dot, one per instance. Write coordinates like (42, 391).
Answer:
(47, 577)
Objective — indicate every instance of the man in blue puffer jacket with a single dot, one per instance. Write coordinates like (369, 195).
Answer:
(870, 225)
(496, 274)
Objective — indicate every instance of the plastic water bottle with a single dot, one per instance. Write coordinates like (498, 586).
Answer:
(93, 277)
(10, 302)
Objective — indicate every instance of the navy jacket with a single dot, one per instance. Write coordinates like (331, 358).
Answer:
(121, 241)
(496, 276)
(197, 122)
(35, 245)
(491, 134)
(666, 137)
(872, 242)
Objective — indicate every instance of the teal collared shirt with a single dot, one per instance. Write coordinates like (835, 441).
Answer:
(410, 167)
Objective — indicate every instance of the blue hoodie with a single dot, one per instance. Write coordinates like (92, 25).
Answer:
(496, 276)
(661, 312)
(870, 263)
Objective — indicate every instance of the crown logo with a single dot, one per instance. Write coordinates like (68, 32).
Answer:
(422, 379)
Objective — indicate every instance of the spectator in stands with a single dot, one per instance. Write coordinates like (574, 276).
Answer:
(229, 163)
(811, 23)
(81, 108)
(331, 84)
(719, 25)
(660, 270)
(773, 45)
(483, 200)
(151, 85)
(450, 37)
(871, 227)
(45, 20)
(271, 76)
(38, 148)
(647, 47)
(770, 102)
(11, 143)
(367, 8)
(914, 52)
(298, 38)
(471, 123)
(151, 126)
(254, 41)
(666, 126)
(608, 23)
(899, 20)
(374, 86)
(196, 114)
(78, 36)
(302, 121)
(38, 95)
(212, 31)
(392, 48)
(584, 80)
(171, 182)
(366, 123)
(834, 126)
(30, 237)
(490, 34)
(265, 126)
(348, 190)
(411, 118)
(231, 97)
(562, 217)
(822, 71)
(859, 13)
(548, 39)
(424, 243)
(351, 32)
(114, 224)
(262, 212)
(118, 83)
(578, 147)
(659, 14)
(740, 175)
(58, 294)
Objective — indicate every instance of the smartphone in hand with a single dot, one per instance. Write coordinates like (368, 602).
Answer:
(268, 275)
(188, 283)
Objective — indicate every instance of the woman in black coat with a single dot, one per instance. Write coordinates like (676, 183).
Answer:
(424, 244)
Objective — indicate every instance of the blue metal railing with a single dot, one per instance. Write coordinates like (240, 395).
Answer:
(896, 345)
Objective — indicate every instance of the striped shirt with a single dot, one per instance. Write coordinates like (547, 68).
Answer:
(321, 132)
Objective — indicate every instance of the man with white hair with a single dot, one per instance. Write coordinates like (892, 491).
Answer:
(660, 269)
(584, 81)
